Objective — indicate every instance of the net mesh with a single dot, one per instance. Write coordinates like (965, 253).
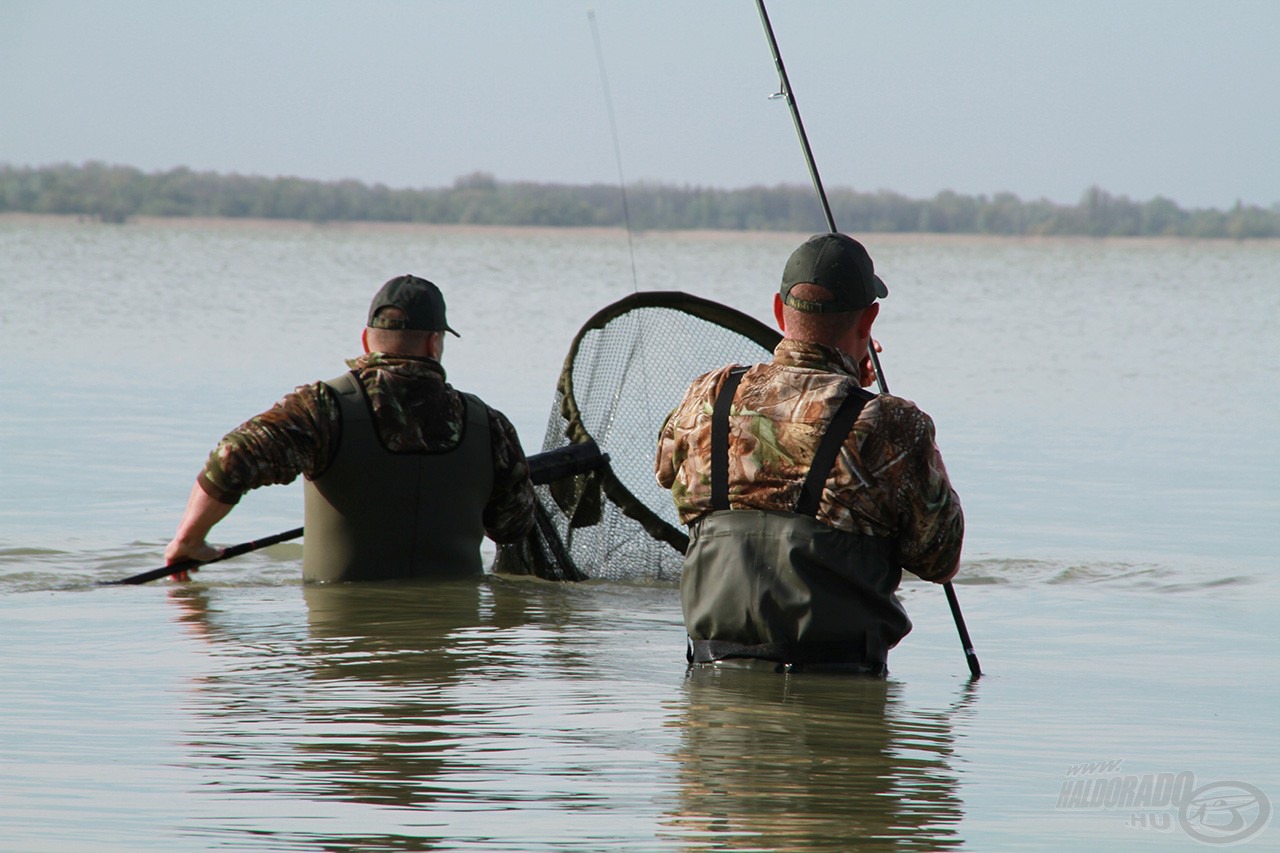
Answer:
(626, 369)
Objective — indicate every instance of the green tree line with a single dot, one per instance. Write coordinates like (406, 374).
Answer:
(117, 193)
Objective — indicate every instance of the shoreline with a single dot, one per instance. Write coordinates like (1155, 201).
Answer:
(298, 225)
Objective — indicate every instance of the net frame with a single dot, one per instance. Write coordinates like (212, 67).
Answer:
(599, 505)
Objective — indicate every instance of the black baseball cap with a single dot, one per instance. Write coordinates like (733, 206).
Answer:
(841, 265)
(420, 300)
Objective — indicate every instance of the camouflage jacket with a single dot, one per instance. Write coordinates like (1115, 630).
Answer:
(414, 410)
(888, 481)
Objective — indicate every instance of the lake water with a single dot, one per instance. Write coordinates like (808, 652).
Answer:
(1107, 410)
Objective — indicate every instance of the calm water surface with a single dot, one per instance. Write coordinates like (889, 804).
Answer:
(1107, 411)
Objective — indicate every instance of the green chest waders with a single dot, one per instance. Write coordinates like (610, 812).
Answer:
(378, 515)
(783, 586)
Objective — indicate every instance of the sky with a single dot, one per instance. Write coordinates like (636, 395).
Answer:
(1040, 98)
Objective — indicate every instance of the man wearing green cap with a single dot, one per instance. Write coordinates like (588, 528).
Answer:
(805, 495)
(404, 474)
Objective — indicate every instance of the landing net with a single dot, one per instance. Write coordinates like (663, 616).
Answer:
(627, 368)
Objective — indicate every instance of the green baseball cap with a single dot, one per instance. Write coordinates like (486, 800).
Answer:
(841, 265)
(420, 300)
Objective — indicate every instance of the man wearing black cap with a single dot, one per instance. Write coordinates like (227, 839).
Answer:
(404, 474)
(805, 495)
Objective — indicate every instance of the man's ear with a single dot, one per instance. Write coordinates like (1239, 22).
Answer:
(777, 312)
(364, 339)
(868, 317)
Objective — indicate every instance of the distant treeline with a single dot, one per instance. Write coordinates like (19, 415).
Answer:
(116, 193)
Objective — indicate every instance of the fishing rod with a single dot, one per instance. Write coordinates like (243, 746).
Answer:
(784, 91)
(544, 468)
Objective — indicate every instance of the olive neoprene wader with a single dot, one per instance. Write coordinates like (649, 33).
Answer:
(783, 586)
(379, 515)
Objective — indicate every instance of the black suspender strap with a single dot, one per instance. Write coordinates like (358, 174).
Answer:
(825, 458)
(720, 440)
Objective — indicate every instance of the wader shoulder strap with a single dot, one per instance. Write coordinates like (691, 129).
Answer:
(477, 411)
(720, 440)
(825, 458)
(346, 384)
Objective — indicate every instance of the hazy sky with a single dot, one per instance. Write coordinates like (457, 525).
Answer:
(1042, 98)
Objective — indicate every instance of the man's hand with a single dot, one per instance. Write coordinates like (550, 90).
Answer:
(202, 513)
(178, 550)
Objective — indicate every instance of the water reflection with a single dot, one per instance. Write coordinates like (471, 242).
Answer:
(383, 671)
(810, 762)
(397, 714)
(361, 708)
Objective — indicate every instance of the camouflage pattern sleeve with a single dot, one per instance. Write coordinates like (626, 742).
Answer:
(298, 435)
(674, 466)
(930, 522)
(509, 514)
(664, 468)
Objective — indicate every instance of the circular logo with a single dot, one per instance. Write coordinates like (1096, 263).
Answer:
(1225, 812)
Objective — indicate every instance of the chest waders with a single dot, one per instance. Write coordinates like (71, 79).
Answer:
(379, 515)
(783, 586)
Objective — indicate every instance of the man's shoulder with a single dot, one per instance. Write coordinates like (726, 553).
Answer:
(484, 409)
(900, 416)
(797, 388)
(712, 379)
(898, 407)
(478, 407)
(346, 382)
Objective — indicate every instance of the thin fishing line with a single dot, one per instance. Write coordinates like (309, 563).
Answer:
(617, 148)
(641, 343)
